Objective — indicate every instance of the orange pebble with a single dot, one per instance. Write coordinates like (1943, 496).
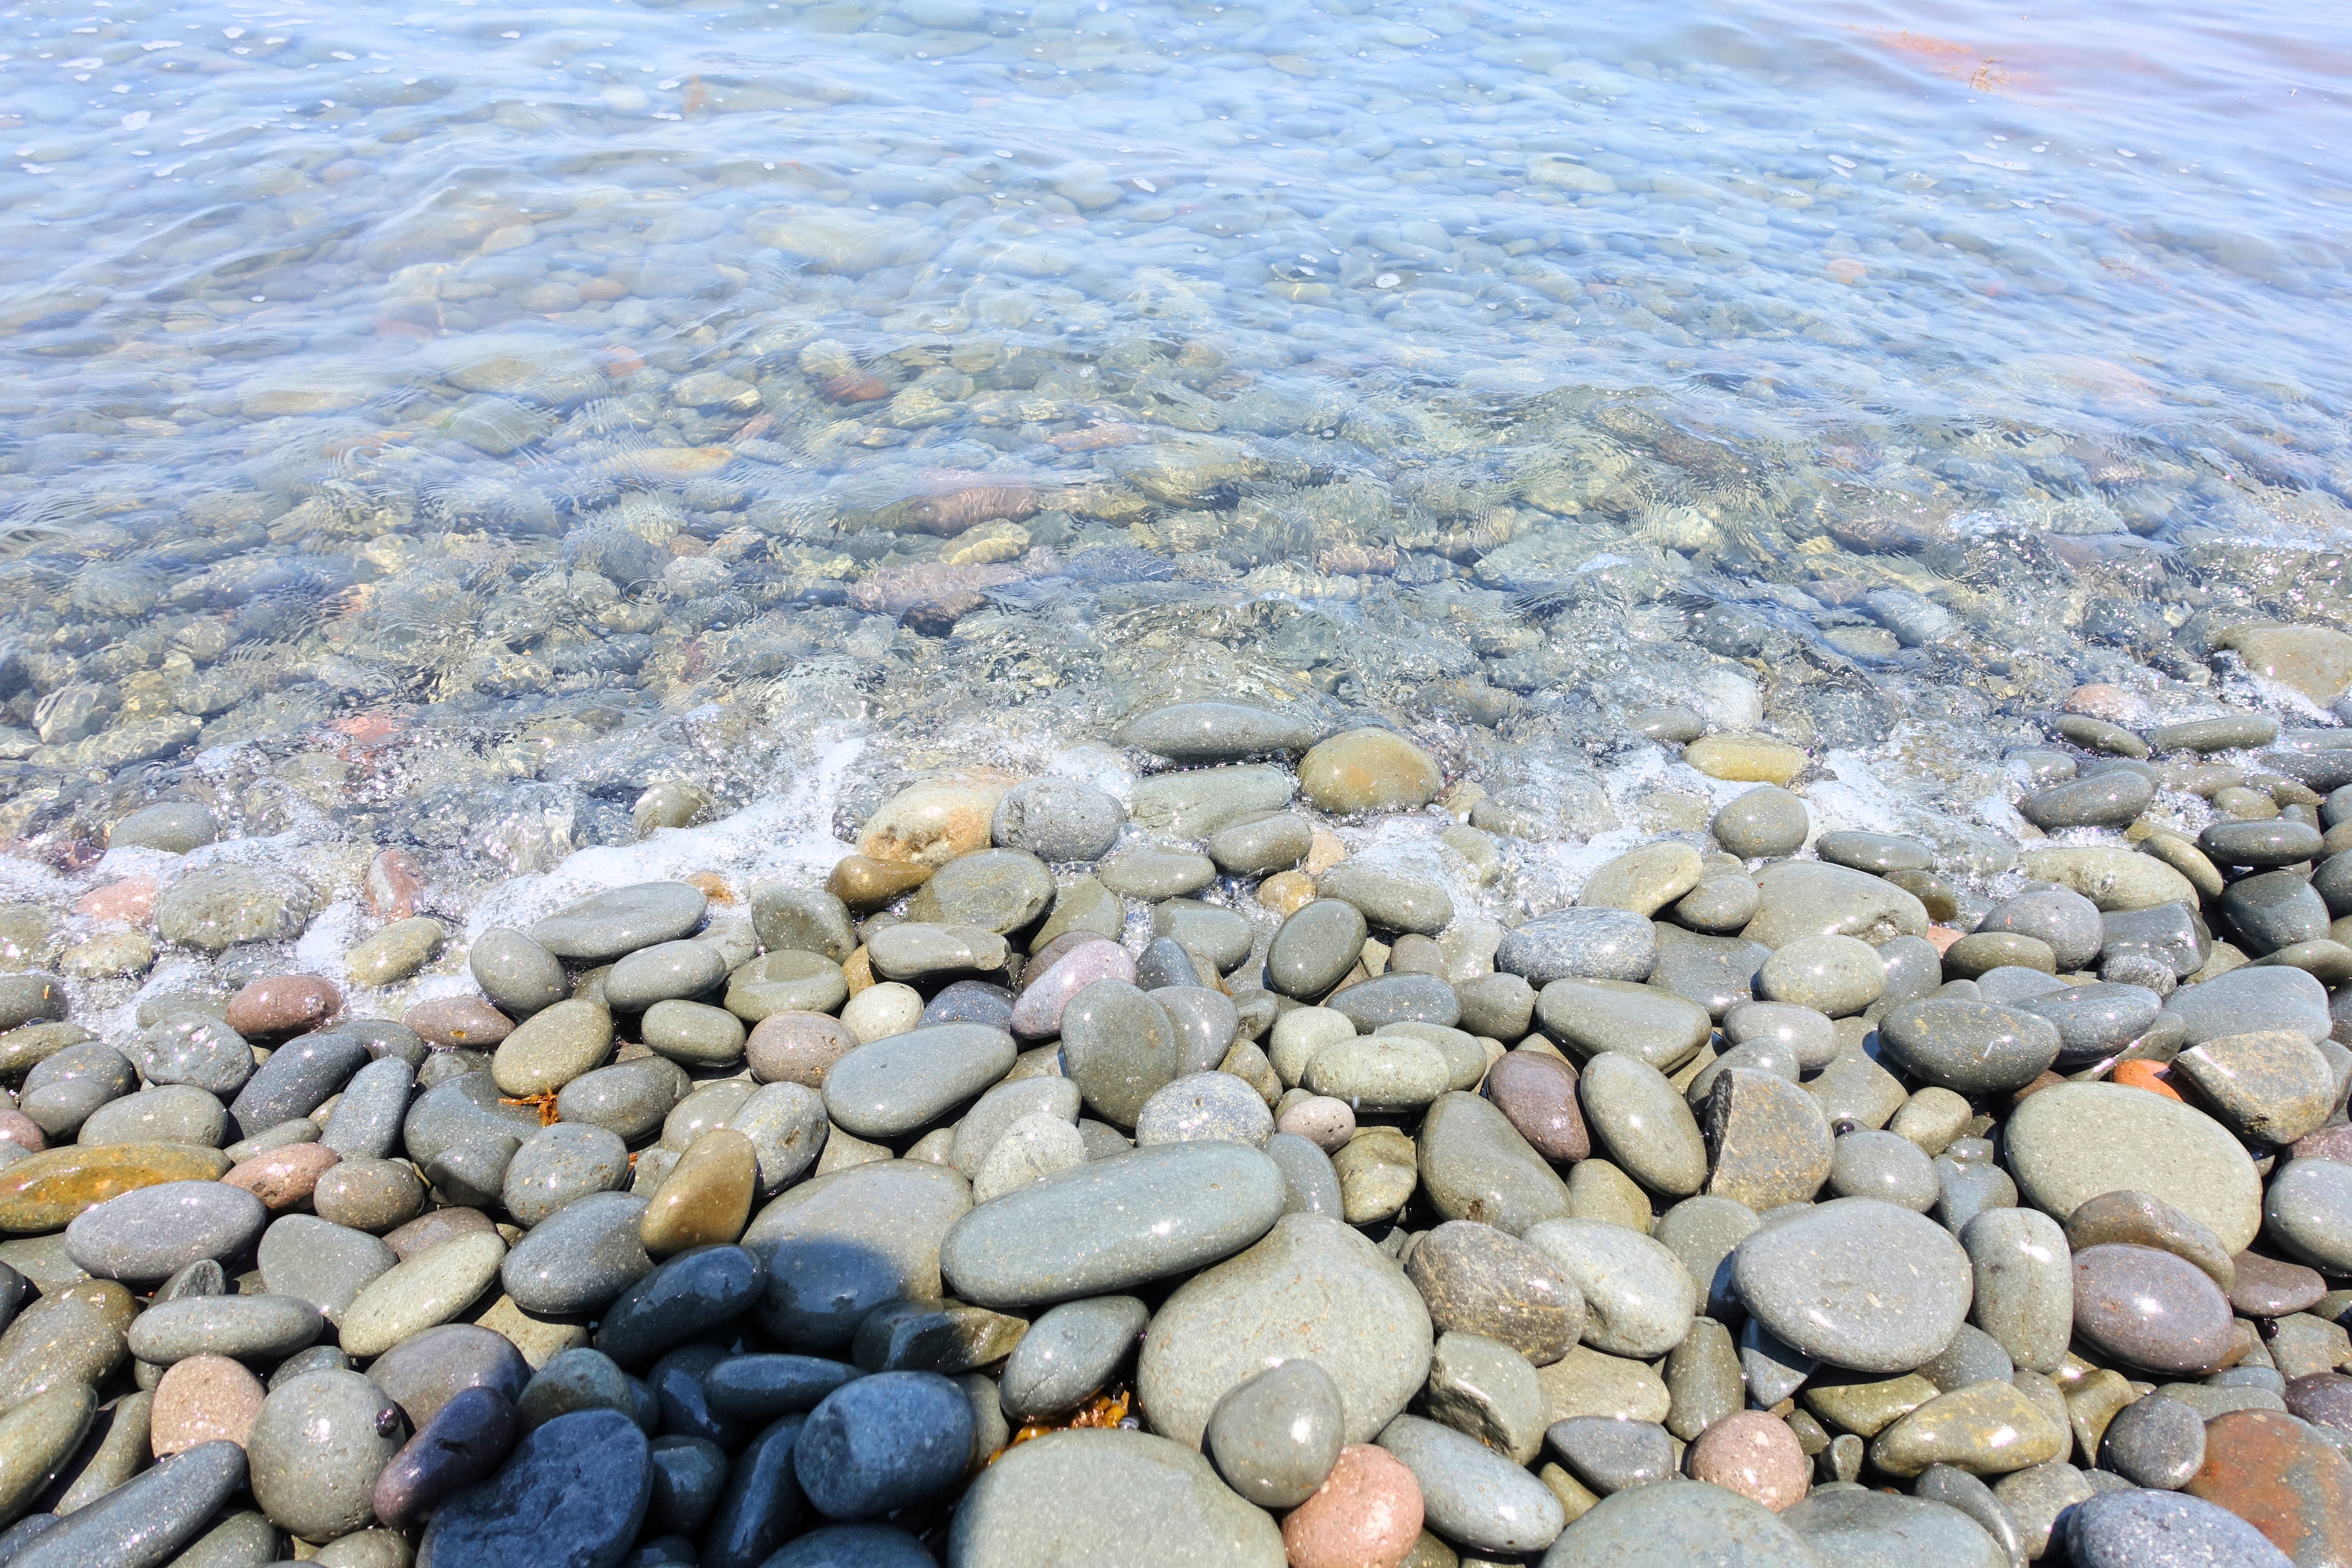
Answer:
(1943, 936)
(2147, 1075)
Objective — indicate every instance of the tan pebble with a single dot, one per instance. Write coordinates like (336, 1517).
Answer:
(858, 971)
(1366, 1514)
(203, 1399)
(450, 1021)
(23, 1131)
(1286, 892)
(931, 824)
(282, 1178)
(1753, 1454)
(714, 886)
(2112, 703)
(132, 901)
(1369, 769)
(1746, 758)
(865, 884)
(706, 1199)
(797, 1048)
(1325, 1123)
(283, 1004)
(1323, 850)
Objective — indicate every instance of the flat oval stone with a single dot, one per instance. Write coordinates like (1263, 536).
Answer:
(2025, 1284)
(1204, 1105)
(429, 1287)
(1475, 1166)
(687, 1296)
(1153, 871)
(2149, 1310)
(1837, 975)
(840, 1245)
(1810, 897)
(1112, 1224)
(552, 1048)
(1070, 1351)
(2103, 800)
(1315, 948)
(1261, 844)
(1857, 1283)
(1678, 1526)
(663, 971)
(906, 1081)
(2248, 999)
(2073, 1141)
(2126, 1528)
(796, 1047)
(2154, 1442)
(197, 1049)
(579, 1258)
(1639, 1298)
(995, 890)
(155, 1232)
(1215, 732)
(1313, 1289)
(1610, 1455)
(1641, 1122)
(2280, 842)
(1057, 820)
(574, 1491)
(46, 1191)
(456, 1448)
(2272, 909)
(2095, 1021)
(622, 920)
(514, 972)
(148, 1517)
(1969, 1047)
(795, 982)
(1037, 1009)
(1704, 1232)
(1772, 1145)
(1388, 900)
(1471, 1493)
(1476, 1280)
(881, 1443)
(1119, 1048)
(1537, 1094)
(1379, 1073)
(1276, 1435)
(1985, 1429)
(762, 1387)
(562, 1164)
(1369, 769)
(628, 1099)
(320, 1262)
(1610, 1016)
(1159, 1499)
(1579, 943)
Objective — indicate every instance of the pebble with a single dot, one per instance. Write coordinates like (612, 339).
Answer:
(1618, 1016)
(1275, 1437)
(906, 1081)
(154, 1232)
(1610, 1455)
(1673, 1526)
(1837, 975)
(1260, 844)
(1203, 1342)
(423, 1373)
(445, 1022)
(148, 1518)
(1985, 1428)
(1636, 1115)
(2022, 1264)
(1471, 1494)
(428, 1287)
(2070, 1144)
(1197, 802)
(797, 1047)
(1474, 1165)
(2278, 1475)
(514, 972)
(574, 1490)
(203, 1399)
(2154, 1442)
(2307, 1212)
(175, 828)
(1071, 1350)
(1755, 1454)
(1369, 769)
(1585, 944)
(456, 1448)
(1160, 1500)
(1772, 1146)
(881, 1443)
(1366, 1511)
(1969, 1047)
(2128, 1528)
(1857, 1283)
(706, 1199)
(1379, 1073)
(316, 1449)
(1315, 948)
(1055, 820)
(841, 1244)
(1204, 1106)
(1537, 1094)
(36, 1439)
(609, 924)
(1215, 732)
(1639, 1298)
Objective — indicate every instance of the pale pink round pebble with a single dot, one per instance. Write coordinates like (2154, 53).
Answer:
(23, 1131)
(1366, 1514)
(203, 1399)
(285, 1176)
(1325, 1123)
(130, 901)
(1038, 1012)
(1753, 1453)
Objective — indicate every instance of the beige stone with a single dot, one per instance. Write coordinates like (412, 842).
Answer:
(930, 825)
(1746, 758)
(2315, 661)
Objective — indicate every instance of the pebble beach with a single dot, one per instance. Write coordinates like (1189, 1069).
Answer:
(911, 783)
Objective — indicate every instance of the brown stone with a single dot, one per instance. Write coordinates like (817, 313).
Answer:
(938, 618)
(2151, 1309)
(1985, 1428)
(1477, 1279)
(2324, 1397)
(42, 1192)
(282, 1178)
(283, 1004)
(1771, 1144)
(2143, 1219)
(797, 1048)
(2328, 1143)
(203, 1399)
(1286, 892)
(1536, 1092)
(706, 1199)
(446, 1022)
(2272, 1472)
(374, 1195)
(2271, 1288)
(866, 885)
(1366, 1514)
(1753, 1453)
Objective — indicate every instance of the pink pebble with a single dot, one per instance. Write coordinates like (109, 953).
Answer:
(283, 1177)
(1753, 1453)
(1366, 1514)
(23, 1131)
(1038, 1014)
(130, 901)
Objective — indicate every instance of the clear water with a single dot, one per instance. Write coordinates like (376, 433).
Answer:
(424, 420)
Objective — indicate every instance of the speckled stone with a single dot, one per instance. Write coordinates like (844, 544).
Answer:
(1753, 1453)
(1639, 1298)
(1640, 1021)
(1985, 1428)
(2149, 1310)
(1857, 1283)
(2154, 1442)
(1643, 1124)
(2273, 1472)
(316, 1449)
(2069, 1143)
(1204, 1106)
(2307, 1213)
(1581, 944)
(148, 1518)
(621, 921)
(882, 1443)
(1068, 1353)
(1472, 1494)
(1366, 1511)
(1771, 1144)
(2023, 1268)
(904, 1083)
(154, 1232)
(2131, 1528)
(1678, 1526)
(1160, 1500)
(1536, 1093)
(1369, 769)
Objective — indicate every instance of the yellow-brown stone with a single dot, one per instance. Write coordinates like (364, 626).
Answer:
(1746, 758)
(706, 1199)
(1286, 892)
(1369, 770)
(865, 884)
(930, 825)
(2315, 661)
(43, 1192)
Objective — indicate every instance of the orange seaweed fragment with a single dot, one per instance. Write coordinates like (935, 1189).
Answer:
(1108, 1408)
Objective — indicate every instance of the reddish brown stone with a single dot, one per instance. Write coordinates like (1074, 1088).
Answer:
(1755, 1454)
(1366, 1514)
(283, 1004)
(1536, 1093)
(23, 1131)
(938, 618)
(2271, 1288)
(2269, 1471)
(393, 882)
(2324, 1397)
(2328, 1143)
(854, 386)
(130, 901)
(451, 1021)
(284, 1177)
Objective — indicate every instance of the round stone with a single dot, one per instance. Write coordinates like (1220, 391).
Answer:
(995, 890)
(2149, 1310)
(1765, 822)
(1069, 1353)
(2131, 1528)
(2073, 1141)
(1368, 1511)
(1120, 1046)
(1276, 1437)
(906, 1081)
(797, 1048)
(1675, 1526)
(1969, 1047)
(881, 1443)
(282, 1005)
(1837, 975)
(1536, 1093)
(203, 1399)
(1369, 769)
(574, 1490)
(155, 1232)
(2101, 800)
(1057, 820)
(552, 1048)
(1753, 1453)
(1856, 1283)
(1315, 948)
(1641, 1122)
(1204, 1105)
(1639, 1298)
(666, 970)
(1581, 943)
(2308, 1213)
(1618, 1016)
(2154, 1442)
(514, 972)
(1864, 1164)
(316, 1449)
(175, 828)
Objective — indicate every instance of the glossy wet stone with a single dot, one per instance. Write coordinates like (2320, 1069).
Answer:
(1379, 1073)
(2270, 1086)
(1387, 999)
(880, 1443)
(1119, 1048)
(1215, 732)
(1477, 1279)
(149, 1517)
(2271, 1471)
(839, 1245)
(155, 1231)
(1590, 944)
(609, 924)
(1857, 1283)
(1369, 769)
(573, 1490)
(1472, 1494)
(1985, 1428)
(2120, 1529)
(579, 1259)
(1536, 1093)
(317, 1450)
(1970, 1047)
(1639, 1299)
(2149, 1308)
(896, 1085)
(1368, 1511)
(1664, 1526)
(1068, 1353)
(2070, 1144)
(2307, 1213)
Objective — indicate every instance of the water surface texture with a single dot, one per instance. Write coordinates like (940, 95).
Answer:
(429, 425)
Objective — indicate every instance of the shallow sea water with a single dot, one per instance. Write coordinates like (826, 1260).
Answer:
(427, 425)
